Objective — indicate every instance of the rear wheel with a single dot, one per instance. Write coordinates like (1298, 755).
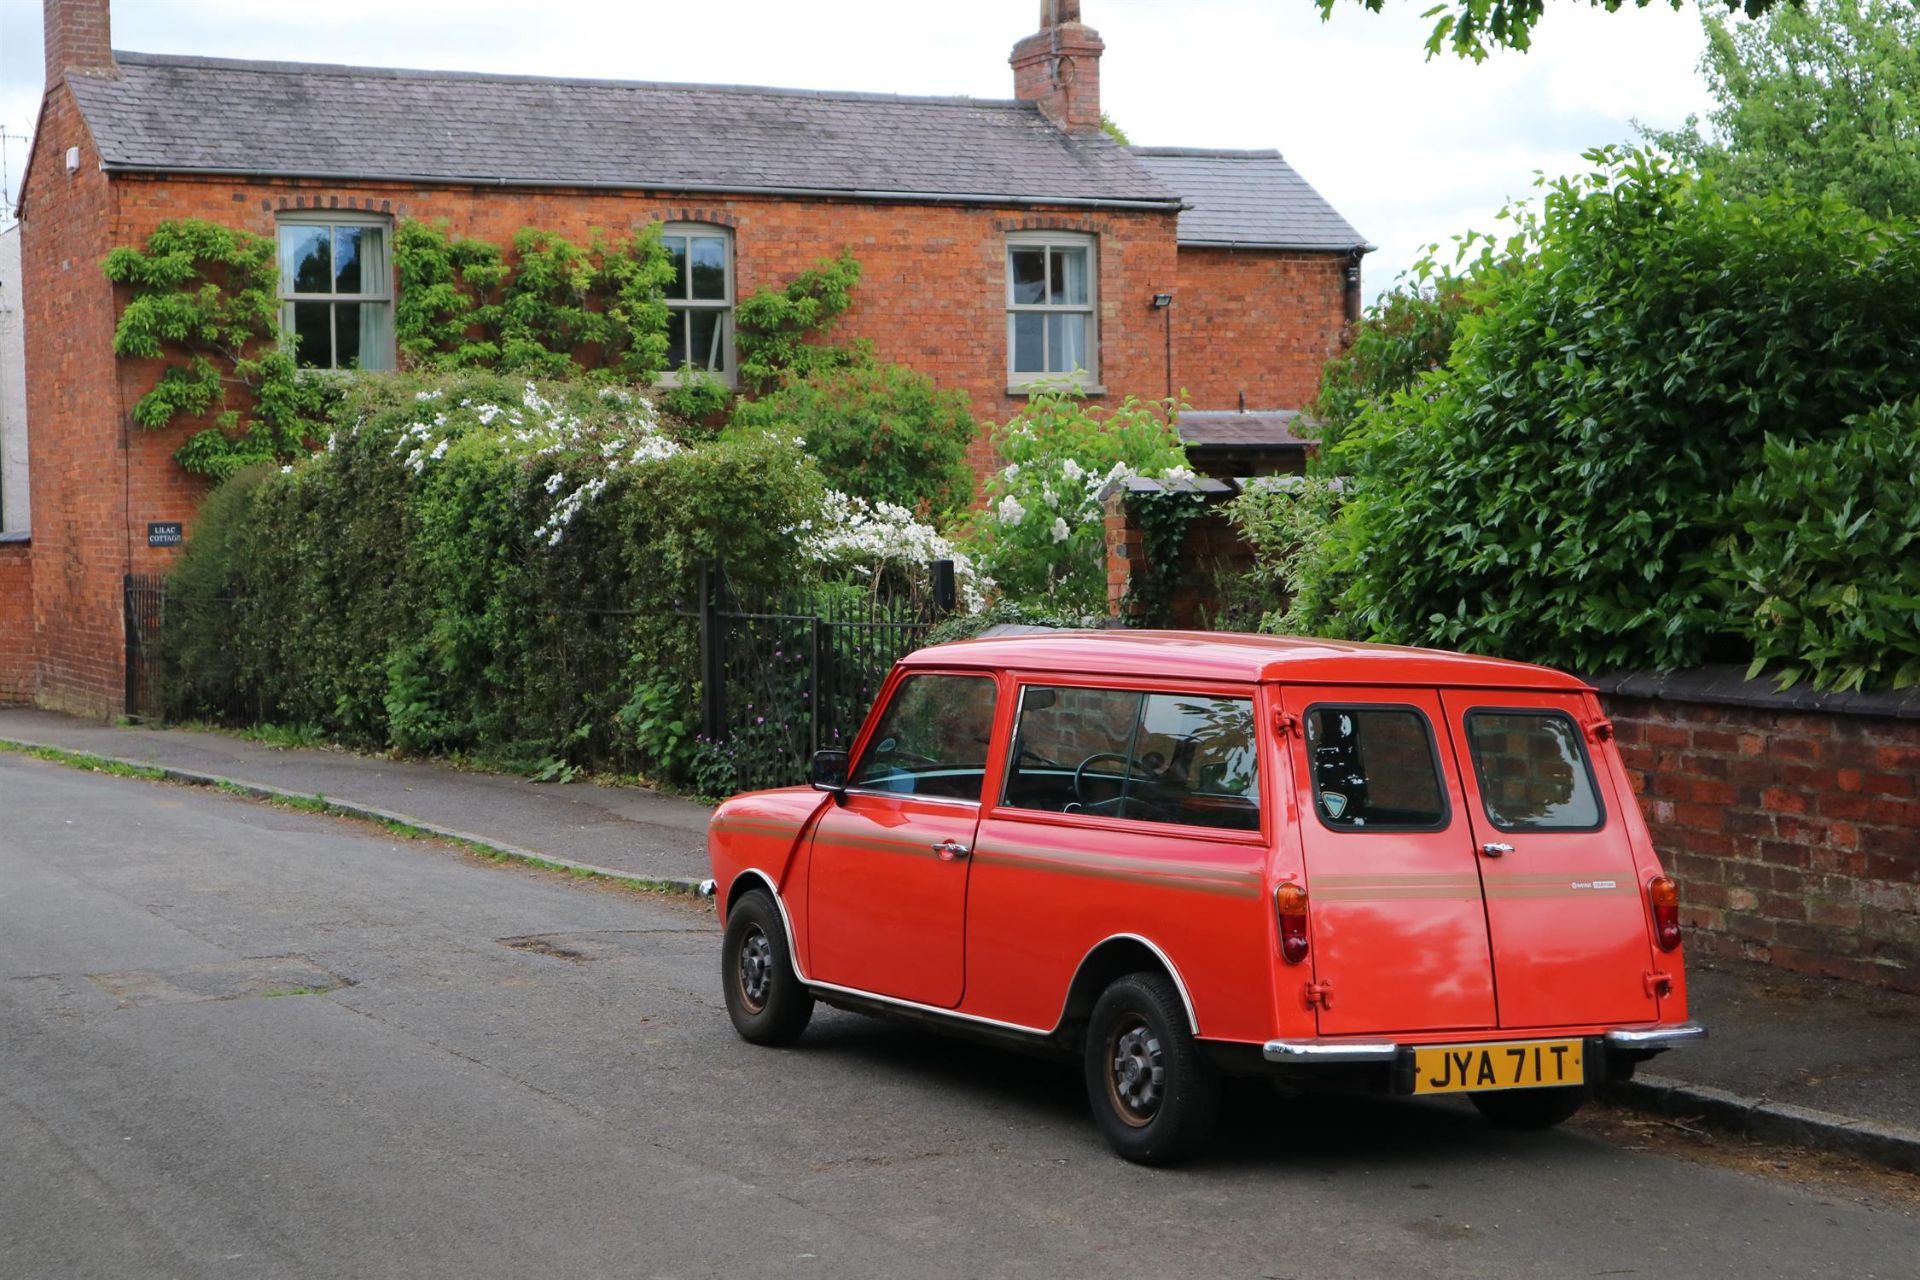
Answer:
(764, 996)
(1529, 1108)
(1153, 1092)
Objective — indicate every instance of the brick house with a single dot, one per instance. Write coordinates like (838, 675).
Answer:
(1001, 242)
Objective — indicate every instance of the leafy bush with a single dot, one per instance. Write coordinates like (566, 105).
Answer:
(1560, 490)
(487, 566)
(1407, 332)
(879, 431)
(1826, 557)
(1284, 521)
(1042, 537)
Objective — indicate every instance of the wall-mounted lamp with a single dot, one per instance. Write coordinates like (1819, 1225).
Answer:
(1161, 301)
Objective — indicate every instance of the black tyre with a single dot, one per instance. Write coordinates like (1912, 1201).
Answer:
(1529, 1108)
(1153, 1092)
(764, 996)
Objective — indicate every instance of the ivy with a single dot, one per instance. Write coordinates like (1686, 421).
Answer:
(208, 293)
(1164, 518)
(778, 330)
(449, 292)
(551, 309)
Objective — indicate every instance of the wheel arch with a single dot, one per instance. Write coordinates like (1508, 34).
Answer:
(1112, 958)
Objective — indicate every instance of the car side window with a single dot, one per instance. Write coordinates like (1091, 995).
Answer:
(1374, 769)
(1533, 771)
(931, 740)
(1187, 759)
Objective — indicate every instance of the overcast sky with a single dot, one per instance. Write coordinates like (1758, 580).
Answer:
(1410, 151)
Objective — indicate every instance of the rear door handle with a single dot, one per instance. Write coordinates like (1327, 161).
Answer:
(951, 850)
(1496, 849)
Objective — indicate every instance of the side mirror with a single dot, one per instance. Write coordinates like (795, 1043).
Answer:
(830, 772)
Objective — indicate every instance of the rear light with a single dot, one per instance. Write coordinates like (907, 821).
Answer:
(1290, 900)
(1664, 896)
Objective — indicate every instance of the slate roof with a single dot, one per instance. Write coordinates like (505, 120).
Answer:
(216, 115)
(1228, 429)
(1248, 199)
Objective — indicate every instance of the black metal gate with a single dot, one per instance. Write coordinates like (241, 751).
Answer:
(145, 596)
(786, 673)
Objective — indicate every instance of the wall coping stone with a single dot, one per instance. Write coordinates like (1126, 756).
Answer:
(1729, 686)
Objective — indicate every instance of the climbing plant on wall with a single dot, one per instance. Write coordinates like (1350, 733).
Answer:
(208, 293)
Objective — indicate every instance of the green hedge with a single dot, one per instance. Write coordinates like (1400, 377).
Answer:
(481, 565)
(1571, 486)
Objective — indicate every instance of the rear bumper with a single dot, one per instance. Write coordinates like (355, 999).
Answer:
(1638, 1042)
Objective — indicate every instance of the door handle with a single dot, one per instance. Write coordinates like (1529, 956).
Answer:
(1496, 849)
(951, 850)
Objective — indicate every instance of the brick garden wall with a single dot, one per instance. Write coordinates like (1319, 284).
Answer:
(1255, 321)
(1794, 830)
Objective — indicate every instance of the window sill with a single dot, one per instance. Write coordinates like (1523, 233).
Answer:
(15, 537)
(1037, 388)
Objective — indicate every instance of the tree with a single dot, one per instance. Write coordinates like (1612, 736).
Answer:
(1470, 27)
(1824, 98)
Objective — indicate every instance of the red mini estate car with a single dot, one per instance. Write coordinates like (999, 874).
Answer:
(1177, 855)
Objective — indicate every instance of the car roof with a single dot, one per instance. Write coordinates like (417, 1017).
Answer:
(1220, 655)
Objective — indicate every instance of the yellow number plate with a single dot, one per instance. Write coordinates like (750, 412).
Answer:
(1531, 1064)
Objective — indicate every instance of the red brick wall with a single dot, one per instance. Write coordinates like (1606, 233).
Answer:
(932, 291)
(1212, 553)
(16, 623)
(1795, 835)
(1255, 321)
(931, 296)
(76, 437)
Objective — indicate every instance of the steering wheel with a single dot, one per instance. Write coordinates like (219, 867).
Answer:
(1080, 775)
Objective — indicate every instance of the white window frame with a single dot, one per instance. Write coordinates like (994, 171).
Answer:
(1022, 380)
(728, 372)
(340, 218)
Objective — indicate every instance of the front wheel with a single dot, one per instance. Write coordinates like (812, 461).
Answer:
(1154, 1094)
(1529, 1108)
(764, 996)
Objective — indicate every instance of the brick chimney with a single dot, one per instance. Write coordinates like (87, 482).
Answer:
(78, 39)
(1058, 66)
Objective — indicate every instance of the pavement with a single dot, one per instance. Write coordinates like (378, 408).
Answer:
(245, 1041)
(1823, 1064)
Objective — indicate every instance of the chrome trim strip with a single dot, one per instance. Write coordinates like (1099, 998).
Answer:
(1330, 1051)
(948, 801)
(1179, 983)
(793, 955)
(917, 1007)
(1657, 1037)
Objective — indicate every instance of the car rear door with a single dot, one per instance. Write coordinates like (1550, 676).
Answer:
(1564, 904)
(1399, 931)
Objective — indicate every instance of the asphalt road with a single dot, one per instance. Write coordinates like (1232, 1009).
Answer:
(239, 1041)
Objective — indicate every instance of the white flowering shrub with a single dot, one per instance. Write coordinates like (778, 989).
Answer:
(866, 540)
(1042, 536)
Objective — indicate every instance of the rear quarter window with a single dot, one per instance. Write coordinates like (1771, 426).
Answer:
(1375, 769)
(1533, 771)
